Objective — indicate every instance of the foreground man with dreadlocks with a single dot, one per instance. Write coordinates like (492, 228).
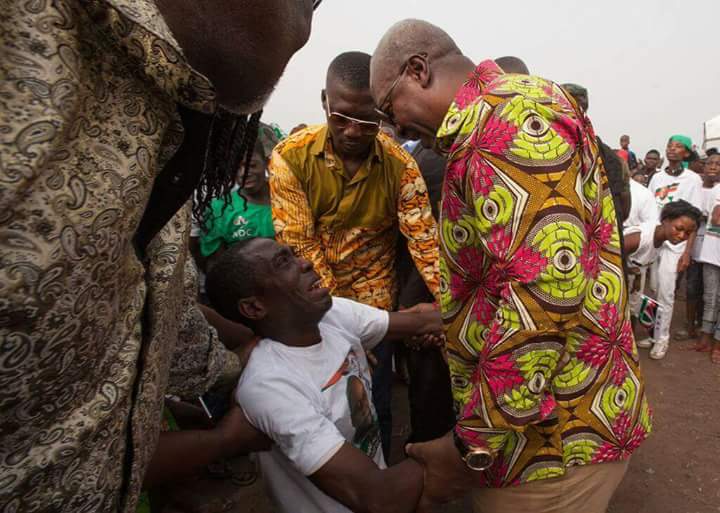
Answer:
(96, 281)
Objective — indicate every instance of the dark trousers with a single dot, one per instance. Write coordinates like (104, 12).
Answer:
(382, 380)
(429, 395)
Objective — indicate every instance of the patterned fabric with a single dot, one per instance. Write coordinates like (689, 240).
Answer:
(543, 361)
(348, 227)
(88, 118)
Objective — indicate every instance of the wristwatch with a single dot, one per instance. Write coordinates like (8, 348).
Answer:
(476, 458)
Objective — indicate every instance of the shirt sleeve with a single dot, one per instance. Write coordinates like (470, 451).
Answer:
(645, 252)
(200, 358)
(370, 324)
(418, 225)
(293, 220)
(289, 415)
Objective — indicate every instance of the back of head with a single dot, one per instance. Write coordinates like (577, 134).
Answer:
(405, 39)
(352, 69)
(512, 64)
(232, 276)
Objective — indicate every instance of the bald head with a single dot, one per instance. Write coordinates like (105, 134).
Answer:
(511, 64)
(404, 39)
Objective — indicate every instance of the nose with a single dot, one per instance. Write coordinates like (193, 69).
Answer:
(353, 130)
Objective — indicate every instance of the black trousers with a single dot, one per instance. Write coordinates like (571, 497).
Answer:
(429, 395)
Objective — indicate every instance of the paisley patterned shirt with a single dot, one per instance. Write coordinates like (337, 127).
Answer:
(348, 227)
(543, 361)
(88, 330)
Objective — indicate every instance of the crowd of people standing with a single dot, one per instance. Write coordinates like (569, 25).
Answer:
(462, 214)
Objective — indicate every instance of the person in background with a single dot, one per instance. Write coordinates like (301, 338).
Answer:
(640, 177)
(342, 193)
(307, 383)
(532, 295)
(672, 184)
(248, 214)
(710, 258)
(512, 64)
(644, 212)
(429, 393)
(651, 164)
(625, 145)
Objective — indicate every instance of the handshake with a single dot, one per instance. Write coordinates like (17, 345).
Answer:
(446, 477)
(428, 328)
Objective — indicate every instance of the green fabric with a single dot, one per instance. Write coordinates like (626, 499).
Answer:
(241, 220)
(684, 140)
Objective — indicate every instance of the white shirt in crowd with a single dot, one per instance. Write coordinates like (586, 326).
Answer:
(666, 188)
(710, 251)
(312, 400)
(643, 208)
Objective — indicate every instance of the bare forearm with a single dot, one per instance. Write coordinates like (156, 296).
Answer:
(232, 334)
(690, 243)
(181, 454)
(412, 324)
(396, 489)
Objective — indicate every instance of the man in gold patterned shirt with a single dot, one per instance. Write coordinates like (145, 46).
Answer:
(98, 319)
(341, 192)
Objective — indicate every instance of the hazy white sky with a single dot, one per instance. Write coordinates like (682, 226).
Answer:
(650, 65)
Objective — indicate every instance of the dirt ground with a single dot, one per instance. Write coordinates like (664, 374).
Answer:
(677, 470)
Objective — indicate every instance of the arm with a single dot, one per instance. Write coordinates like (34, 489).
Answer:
(715, 216)
(293, 220)
(353, 479)
(233, 435)
(418, 226)
(232, 334)
(631, 242)
(414, 323)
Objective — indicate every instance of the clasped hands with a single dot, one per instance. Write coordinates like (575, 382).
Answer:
(433, 335)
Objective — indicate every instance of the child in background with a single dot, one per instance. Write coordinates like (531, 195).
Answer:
(248, 215)
(710, 259)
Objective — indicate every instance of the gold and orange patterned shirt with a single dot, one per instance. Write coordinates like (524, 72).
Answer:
(348, 226)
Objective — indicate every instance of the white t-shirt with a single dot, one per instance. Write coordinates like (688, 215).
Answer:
(666, 188)
(312, 400)
(710, 251)
(646, 252)
(643, 208)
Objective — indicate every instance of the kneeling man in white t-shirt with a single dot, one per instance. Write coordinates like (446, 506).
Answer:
(307, 382)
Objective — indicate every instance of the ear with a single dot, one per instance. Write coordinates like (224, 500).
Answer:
(323, 100)
(418, 68)
(252, 308)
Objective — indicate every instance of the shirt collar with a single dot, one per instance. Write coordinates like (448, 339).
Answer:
(322, 145)
(459, 115)
(150, 41)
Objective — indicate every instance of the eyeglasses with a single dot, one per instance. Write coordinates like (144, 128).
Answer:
(316, 4)
(342, 121)
(384, 109)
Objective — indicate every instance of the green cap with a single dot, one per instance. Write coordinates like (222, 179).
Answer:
(684, 140)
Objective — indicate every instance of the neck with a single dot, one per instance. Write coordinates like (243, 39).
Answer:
(259, 197)
(675, 167)
(293, 333)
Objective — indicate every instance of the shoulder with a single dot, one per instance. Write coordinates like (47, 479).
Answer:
(398, 157)
(300, 141)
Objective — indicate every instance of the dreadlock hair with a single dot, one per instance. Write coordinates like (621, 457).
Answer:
(231, 141)
(680, 208)
(351, 69)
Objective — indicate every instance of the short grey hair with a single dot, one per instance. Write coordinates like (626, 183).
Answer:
(403, 40)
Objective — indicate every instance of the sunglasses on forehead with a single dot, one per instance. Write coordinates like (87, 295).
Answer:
(342, 121)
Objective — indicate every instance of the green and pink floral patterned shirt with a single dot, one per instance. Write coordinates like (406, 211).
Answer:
(544, 365)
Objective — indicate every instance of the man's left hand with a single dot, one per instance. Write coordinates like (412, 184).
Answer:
(446, 475)
(683, 263)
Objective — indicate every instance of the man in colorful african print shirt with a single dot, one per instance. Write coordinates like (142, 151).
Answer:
(340, 194)
(544, 366)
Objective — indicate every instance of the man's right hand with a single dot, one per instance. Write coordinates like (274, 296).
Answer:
(447, 477)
